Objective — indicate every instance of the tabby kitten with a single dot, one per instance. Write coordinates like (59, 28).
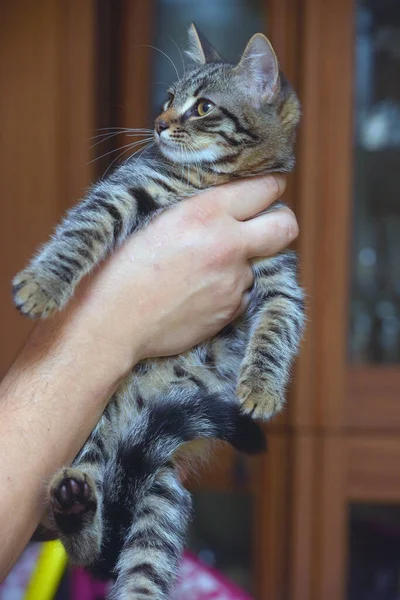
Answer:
(121, 509)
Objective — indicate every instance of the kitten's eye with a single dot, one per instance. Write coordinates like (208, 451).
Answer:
(203, 107)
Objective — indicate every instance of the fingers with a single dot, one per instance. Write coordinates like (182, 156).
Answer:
(269, 233)
(246, 198)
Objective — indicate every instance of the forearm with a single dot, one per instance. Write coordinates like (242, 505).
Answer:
(49, 402)
(172, 285)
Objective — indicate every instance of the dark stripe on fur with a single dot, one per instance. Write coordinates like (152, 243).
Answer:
(115, 215)
(209, 358)
(289, 260)
(214, 118)
(146, 539)
(62, 272)
(145, 201)
(19, 286)
(198, 89)
(165, 186)
(231, 141)
(268, 356)
(163, 492)
(85, 235)
(279, 165)
(180, 371)
(70, 261)
(197, 381)
(231, 159)
(148, 571)
(239, 128)
(299, 302)
(141, 367)
(143, 591)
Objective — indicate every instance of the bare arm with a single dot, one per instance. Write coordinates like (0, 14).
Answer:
(172, 285)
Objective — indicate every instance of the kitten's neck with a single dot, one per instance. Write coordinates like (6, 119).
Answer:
(206, 175)
(197, 176)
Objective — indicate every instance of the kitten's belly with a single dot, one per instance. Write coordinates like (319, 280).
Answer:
(208, 367)
(212, 367)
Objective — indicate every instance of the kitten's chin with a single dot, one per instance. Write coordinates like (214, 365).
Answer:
(172, 152)
(179, 154)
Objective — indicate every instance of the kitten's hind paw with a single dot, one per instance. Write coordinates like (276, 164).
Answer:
(72, 493)
(258, 400)
(76, 515)
(35, 295)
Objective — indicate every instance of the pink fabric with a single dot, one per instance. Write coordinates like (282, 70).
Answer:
(196, 581)
(84, 587)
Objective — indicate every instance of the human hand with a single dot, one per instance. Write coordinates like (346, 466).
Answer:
(184, 277)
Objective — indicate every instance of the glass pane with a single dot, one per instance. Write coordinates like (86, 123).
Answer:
(375, 300)
(228, 24)
(221, 534)
(374, 556)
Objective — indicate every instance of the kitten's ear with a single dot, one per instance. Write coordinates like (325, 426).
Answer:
(260, 67)
(200, 50)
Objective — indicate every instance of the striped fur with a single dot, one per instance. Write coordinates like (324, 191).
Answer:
(96, 505)
(131, 522)
(149, 562)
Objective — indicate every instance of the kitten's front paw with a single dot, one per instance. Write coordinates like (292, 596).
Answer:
(35, 295)
(257, 398)
(72, 492)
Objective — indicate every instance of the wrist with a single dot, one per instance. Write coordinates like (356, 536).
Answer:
(73, 347)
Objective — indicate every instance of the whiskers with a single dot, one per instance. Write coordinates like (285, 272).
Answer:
(190, 165)
(164, 54)
(180, 54)
(111, 132)
(147, 140)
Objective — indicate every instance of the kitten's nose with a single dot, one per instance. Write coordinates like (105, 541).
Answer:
(161, 126)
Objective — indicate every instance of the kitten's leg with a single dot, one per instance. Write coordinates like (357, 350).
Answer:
(76, 510)
(276, 329)
(76, 501)
(145, 507)
(149, 561)
(88, 232)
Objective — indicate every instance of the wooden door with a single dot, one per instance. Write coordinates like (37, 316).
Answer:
(352, 93)
(46, 120)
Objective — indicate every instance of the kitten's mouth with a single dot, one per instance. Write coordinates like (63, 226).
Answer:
(161, 141)
(165, 142)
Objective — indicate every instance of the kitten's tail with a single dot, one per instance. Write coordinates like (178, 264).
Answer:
(184, 416)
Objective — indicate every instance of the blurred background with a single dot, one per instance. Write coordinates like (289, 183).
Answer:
(318, 517)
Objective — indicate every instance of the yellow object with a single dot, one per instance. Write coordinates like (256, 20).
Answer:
(47, 573)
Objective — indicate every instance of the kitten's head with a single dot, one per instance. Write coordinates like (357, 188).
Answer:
(234, 119)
